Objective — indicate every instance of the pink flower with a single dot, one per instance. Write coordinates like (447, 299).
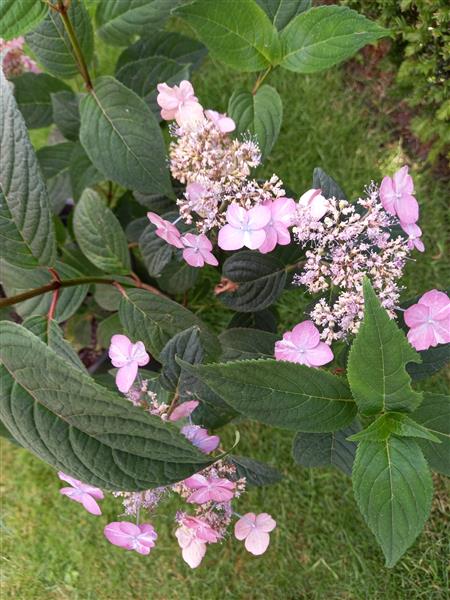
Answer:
(166, 230)
(302, 345)
(200, 438)
(193, 548)
(209, 489)
(124, 534)
(429, 320)
(183, 410)
(282, 211)
(15, 62)
(203, 530)
(414, 232)
(197, 250)
(127, 357)
(179, 103)
(317, 204)
(82, 492)
(254, 529)
(244, 228)
(396, 195)
(223, 123)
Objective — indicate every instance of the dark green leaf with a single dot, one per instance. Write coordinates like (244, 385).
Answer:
(263, 319)
(324, 36)
(107, 328)
(281, 12)
(434, 414)
(76, 425)
(433, 360)
(123, 139)
(260, 114)
(242, 344)
(26, 228)
(51, 43)
(394, 489)
(55, 165)
(66, 113)
(282, 394)
(377, 362)
(156, 253)
(186, 345)
(329, 187)
(83, 174)
(255, 472)
(33, 92)
(17, 17)
(108, 296)
(157, 203)
(236, 32)
(323, 449)
(178, 277)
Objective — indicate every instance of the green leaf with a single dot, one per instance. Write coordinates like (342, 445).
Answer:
(434, 414)
(260, 114)
(83, 174)
(156, 253)
(121, 20)
(186, 345)
(66, 114)
(55, 165)
(99, 234)
(394, 489)
(107, 328)
(236, 32)
(324, 36)
(16, 280)
(155, 320)
(76, 425)
(433, 360)
(26, 228)
(255, 472)
(33, 93)
(17, 18)
(329, 187)
(377, 362)
(241, 343)
(281, 12)
(51, 44)
(393, 424)
(323, 449)
(184, 50)
(263, 319)
(157, 203)
(122, 138)
(261, 279)
(282, 394)
(178, 277)
(107, 296)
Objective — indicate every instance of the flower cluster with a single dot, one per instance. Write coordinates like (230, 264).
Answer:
(210, 493)
(15, 61)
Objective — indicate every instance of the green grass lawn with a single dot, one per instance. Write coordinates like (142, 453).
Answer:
(321, 549)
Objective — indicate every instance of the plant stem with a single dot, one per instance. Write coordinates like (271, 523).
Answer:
(260, 79)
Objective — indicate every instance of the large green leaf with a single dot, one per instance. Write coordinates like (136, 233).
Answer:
(283, 394)
(433, 360)
(242, 343)
(51, 43)
(66, 113)
(260, 114)
(434, 414)
(99, 234)
(83, 174)
(120, 20)
(236, 32)
(178, 277)
(122, 138)
(33, 92)
(17, 17)
(281, 12)
(324, 36)
(323, 449)
(186, 345)
(26, 229)
(156, 253)
(55, 165)
(255, 472)
(330, 188)
(377, 362)
(394, 489)
(76, 425)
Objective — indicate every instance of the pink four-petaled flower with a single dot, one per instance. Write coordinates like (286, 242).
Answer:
(429, 320)
(244, 227)
(140, 538)
(302, 345)
(282, 213)
(200, 438)
(396, 195)
(197, 250)
(166, 230)
(255, 529)
(127, 357)
(179, 103)
(85, 494)
(208, 489)
(316, 204)
(193, 548)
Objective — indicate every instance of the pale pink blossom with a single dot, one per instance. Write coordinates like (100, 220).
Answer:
(183, 410)
(316, 204)
(200, 438)
(429, 320)
(127, 357)
(15, 61)
(203, 530)
(197, 250)
(396, 195)
(224, 123)
(414, 234)
(209, 489)
(166, 230)
(140, 538)
(244, 227)
(302, 345)
(195, 192)
(255, 529)
(179, 103)
(85, 494)
(282, 213)
(193, 548)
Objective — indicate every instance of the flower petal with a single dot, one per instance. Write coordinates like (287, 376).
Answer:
(125, 376)
(257, 542)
